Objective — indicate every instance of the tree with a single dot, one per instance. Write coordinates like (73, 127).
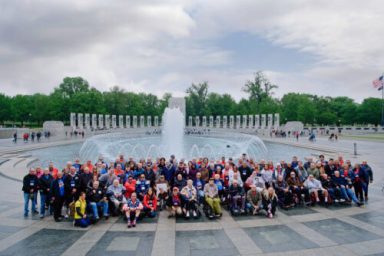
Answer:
(22, 107)
(72, 85)
(369, 112)
(196, 99)
(5, 108)
(306, 110)
(39, 111)
(259, 88)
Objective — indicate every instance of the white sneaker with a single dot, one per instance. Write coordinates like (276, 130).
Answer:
(336, 200)
(187, 214)
(342, 200)
(66, 216)
(194, 214)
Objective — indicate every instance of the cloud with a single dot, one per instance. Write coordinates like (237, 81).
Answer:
(164, 46)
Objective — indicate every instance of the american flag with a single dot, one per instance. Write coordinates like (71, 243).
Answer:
(378, 83)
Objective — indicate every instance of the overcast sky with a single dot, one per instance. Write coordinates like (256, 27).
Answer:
(320, 47)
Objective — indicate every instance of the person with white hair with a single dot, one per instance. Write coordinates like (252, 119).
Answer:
(189, 195)
(30, 188)
(45, 183)
(116, 195)
(314, 186)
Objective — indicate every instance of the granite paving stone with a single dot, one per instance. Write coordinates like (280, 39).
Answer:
(341, 232)
(124, 243)
(278, 238)
(45, 242)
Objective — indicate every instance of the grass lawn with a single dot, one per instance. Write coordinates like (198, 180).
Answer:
(371, 137)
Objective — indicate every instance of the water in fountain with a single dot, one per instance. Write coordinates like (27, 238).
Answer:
(172, 132)
(137, 144)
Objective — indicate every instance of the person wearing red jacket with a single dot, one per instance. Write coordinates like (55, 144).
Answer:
(130, 187)
(150, 203)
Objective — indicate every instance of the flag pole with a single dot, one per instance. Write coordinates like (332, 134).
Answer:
(382, 104)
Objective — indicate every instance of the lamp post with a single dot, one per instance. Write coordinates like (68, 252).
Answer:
(29, 119)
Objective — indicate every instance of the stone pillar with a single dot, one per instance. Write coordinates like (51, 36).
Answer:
(156, 121)
(101, 121)
(72, 120)
(121, 121)
(149, 121)
(250, 122)
(218, 122)
(225, 122)
(276, 122)
(107, 122)
(211, 121)
(142, 124)
(197, 121)
(127, 121)
(113, 121)
(238, 122)
(94, 121)
(87, 121)
(80, 121)
(190, 121)
(204, 121)
(245, 122)
(263, 121)
(270, 119)
(257, 121)
(134, 121)
(231, 122)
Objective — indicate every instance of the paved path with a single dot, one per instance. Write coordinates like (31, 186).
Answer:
(301, 231)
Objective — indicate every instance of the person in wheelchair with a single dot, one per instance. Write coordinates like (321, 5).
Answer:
(315, 187)
(189, 195)
(198, 183)
(236, 197)
(116, 192)
(284, 194)
(298, 188)
(253, 200)
(220, 187)
(212, 199)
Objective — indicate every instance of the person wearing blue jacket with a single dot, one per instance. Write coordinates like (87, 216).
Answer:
(341, 183)
(198, 183)
(142, 186)
(169, 172)
(58, 196)
(369, 172)
(139, 170)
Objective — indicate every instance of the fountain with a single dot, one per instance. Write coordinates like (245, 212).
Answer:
(173, 141)
(173, 132)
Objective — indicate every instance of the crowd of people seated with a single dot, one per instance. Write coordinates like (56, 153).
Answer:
(140, 188)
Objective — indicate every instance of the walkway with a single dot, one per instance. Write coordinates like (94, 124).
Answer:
(303, 231)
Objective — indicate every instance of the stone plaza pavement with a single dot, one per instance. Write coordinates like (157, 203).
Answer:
(337, 230)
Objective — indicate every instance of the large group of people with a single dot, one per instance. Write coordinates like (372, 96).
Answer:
(136, 189)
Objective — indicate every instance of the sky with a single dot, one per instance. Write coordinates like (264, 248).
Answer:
(328, 48)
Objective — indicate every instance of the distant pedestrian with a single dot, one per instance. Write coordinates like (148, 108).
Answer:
(15, 137)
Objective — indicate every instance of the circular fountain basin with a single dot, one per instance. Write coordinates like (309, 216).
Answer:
(212, 145)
